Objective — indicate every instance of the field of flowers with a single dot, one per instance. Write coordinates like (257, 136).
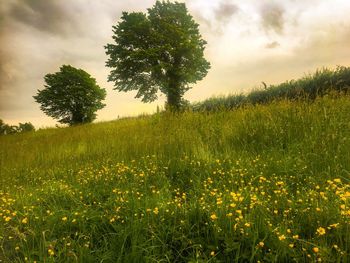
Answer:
(264, 183)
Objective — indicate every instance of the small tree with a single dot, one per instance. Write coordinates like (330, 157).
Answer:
(25, 127)
(158, 51)
(3, 127)
(71, 96)
(7, 129)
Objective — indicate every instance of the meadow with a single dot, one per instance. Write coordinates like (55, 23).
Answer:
(262, 183)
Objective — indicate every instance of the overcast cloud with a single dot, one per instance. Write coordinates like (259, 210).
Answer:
(248, 42)
(272, 16)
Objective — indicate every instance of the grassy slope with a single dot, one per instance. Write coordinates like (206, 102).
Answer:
(309, 87)
(259, 183)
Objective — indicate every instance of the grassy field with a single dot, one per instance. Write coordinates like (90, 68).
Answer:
(268, 183)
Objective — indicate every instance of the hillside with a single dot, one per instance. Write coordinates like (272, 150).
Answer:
(309, 87)
(263, 182)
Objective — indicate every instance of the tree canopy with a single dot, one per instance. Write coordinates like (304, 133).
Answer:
(71, 96)
(158, 51)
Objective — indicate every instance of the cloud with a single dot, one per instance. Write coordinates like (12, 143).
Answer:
(225, 11)
(215, 15)
(272, 45)
(32, 32)
(317, 51)
(6, 66)
(48, 16)
(272, 17)
(8, 69)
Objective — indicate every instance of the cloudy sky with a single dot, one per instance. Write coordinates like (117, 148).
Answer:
(248, 42)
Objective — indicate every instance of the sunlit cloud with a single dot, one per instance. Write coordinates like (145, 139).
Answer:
(272, 16)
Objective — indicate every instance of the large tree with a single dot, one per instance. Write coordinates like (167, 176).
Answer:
(71, 96)
(158, 51)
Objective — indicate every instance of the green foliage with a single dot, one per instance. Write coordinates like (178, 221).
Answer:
(12, 129)
(266, 183)
(25, 127)
(322, 82)
(71, 96)
(158, 51)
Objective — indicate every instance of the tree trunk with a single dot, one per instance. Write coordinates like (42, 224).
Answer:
(77, 118)
(174, 88)
(174, 96)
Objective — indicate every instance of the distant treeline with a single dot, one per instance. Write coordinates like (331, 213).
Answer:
(309, 87)
(12, 129)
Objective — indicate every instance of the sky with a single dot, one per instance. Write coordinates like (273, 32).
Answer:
(248, 42)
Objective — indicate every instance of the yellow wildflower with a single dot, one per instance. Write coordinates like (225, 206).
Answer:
(321, 231)
(334, 225)
(51, 252)
(213, 217)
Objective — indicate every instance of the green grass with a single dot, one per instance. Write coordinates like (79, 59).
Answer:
(309, 87)
(265, 182)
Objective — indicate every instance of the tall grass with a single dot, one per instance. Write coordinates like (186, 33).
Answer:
(322, 82)
(264, 182)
